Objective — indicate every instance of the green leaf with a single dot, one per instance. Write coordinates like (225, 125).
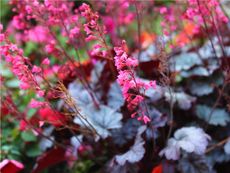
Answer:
(13, 157)
(13, 83)
(218, 116)
(6, 148)
(15, 152)
(31, 112)
(15, 133)
(28, 136)
(33, 150)
(30, 47)
(5, 72)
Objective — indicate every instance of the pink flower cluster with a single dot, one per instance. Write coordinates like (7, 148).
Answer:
(2, 36)
(132, 88)
(169, 21)
(14, 55)
(209, 10)
(123, 18)
(112, 17)
(47, 14)
(92, 22)
(94, 31)
(37, 104)
(21, 66)
(199, 14)
(38, 34)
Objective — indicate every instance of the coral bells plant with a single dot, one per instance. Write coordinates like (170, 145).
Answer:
(115, 86)
(126, 78)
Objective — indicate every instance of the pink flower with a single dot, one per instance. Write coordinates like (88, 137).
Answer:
(153, 84)
(133, 103)
(133, 115)
(28, 9)
(74, 32)
(14, 55)
(190, 13)
(1, 27)
(24, 85)
(90, 38)
(46, 61)
(39, 34)
(163, 10)
(110, 24)
(40, 93)
(144, 118)
(36, 69)
(37, 104)
(49, 48)
(131, 87)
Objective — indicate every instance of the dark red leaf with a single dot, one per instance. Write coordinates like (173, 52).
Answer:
(50, 158)
(158, 169)
(10, 166)
(53, 117)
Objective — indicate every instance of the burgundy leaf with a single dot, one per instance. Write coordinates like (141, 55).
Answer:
(50, 158)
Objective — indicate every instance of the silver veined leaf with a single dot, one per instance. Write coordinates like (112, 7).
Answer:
(184, 100)
(193, 163)
(218, 116)
(76, 143)
(45, 143)
(128, 131)
(115, 97)
(153, 93)
(189, 139)
(201, 88)
(184, 61)
(80, 95)
(157, 120)
(197, 71)
(218, 156)
(102, 119)
(227, 147)
(205, 86)
(96, 72)
(136, 152)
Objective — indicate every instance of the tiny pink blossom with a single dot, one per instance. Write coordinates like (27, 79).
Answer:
(36, 69)
(40, 93)
(163, 10)
(1, 27)
(133, 115)
(46, 61)
(90, 38)
(41, 123)
(49, 48)
(153, 84)
(24, 85)
(74, 32)
(36, 104)
(146, 119)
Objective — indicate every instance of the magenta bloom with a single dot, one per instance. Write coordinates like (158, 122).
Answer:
(132, 88)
